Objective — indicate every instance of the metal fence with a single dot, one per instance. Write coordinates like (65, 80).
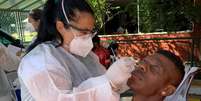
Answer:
(13, 22)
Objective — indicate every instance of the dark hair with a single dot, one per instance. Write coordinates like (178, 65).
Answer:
(96, 39)
(35, 14)
(51, 13)
(175, 59)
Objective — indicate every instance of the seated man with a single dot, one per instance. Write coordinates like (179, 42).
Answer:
(156, 76)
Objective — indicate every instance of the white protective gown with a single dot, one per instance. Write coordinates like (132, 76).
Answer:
(52, 74)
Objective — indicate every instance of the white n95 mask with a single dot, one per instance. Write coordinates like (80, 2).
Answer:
(81, 45)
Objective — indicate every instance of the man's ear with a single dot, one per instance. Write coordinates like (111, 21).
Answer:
(168, 90)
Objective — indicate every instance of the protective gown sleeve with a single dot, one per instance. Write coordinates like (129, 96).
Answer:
(47, 82)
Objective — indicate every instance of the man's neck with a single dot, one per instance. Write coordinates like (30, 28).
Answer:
(147, 98)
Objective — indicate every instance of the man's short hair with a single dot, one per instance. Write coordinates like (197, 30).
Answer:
(35, 14)
(175, 59)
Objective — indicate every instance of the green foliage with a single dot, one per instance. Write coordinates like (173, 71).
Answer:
(192, 10)
(166, 15)
(162, 15)
(146, 15)
(155, 15)
(100, 8)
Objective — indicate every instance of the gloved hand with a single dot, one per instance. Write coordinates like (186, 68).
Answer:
(119, 72)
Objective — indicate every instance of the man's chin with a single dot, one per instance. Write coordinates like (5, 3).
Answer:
(131, 84)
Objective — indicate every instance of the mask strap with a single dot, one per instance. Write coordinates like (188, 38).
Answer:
(62, 5)
(67, 18)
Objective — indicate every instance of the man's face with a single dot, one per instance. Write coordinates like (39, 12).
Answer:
(35, 23)
(151, 75)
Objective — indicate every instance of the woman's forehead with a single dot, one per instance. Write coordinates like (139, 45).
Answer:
(84, 20)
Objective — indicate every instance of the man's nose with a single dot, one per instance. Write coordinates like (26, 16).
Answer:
(141, 67)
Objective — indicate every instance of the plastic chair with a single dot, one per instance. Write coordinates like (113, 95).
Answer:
(5, 88)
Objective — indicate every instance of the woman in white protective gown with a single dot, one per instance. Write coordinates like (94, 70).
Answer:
(60, 66)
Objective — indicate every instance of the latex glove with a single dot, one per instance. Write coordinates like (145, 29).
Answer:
(119, 72)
